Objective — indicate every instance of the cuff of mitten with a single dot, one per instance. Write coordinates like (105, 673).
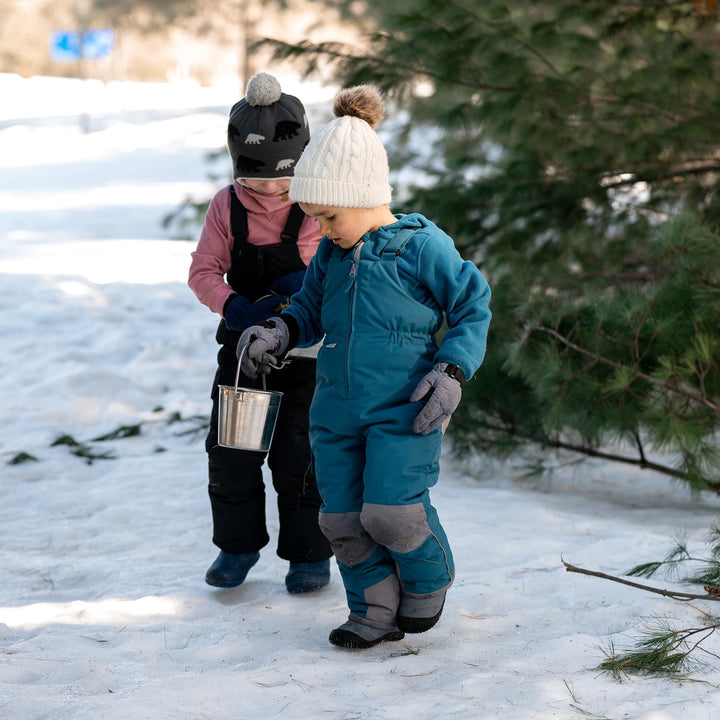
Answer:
(227, 302)
(293, 329)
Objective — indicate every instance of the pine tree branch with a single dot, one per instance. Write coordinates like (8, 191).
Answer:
(674, 595)
(641, 462)
(698, 647)
(651, 110)
(708, 630)
(641, 448)
(671, 174)
(707, 402)
(631, 277)
(664, 652)
(342, 53)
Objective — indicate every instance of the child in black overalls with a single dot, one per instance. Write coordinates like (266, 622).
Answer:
(252, 254)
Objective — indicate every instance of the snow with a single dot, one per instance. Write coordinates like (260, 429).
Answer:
(104, 612)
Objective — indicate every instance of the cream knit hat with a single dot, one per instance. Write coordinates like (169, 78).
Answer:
(345, 163)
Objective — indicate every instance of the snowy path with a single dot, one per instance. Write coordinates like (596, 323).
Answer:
(103, 608)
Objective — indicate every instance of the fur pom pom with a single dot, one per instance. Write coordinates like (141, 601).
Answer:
(263, 89)
(362, 101)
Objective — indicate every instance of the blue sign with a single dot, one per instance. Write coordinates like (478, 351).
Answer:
(70, 45)
(64, 45)
(98, 44)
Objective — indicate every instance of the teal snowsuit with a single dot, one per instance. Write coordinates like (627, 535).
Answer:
(379, 307)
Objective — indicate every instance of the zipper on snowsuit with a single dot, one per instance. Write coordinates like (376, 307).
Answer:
(351, 289)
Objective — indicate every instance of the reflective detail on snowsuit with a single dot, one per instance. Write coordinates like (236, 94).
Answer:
(370, 465)
(236, 486)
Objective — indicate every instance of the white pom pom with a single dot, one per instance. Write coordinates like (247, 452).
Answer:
(263, 89)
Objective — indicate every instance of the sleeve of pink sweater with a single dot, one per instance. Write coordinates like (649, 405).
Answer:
(212, 257)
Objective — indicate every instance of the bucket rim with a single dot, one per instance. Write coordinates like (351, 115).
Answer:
(237, 390)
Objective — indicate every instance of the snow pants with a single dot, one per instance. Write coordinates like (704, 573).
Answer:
(373, 471)
(376, 511)
(236, 487)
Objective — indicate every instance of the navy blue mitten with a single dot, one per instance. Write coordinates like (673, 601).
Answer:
(240, 313)
(288, 284)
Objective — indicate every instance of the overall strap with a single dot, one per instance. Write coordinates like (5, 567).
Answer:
(238, 221)
(254, 268)
(292, 227)
(396, 243)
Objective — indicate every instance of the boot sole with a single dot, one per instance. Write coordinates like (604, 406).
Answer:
(417, 624)
(306, 588)
(348, 639)
(222, 583)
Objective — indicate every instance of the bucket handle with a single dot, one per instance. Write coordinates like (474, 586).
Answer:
(277, 366)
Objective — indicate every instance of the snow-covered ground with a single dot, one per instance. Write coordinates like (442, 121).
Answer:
(104, 612)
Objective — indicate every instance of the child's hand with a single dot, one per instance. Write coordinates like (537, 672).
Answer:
(261, 345)
(441, 395)
(288, 284)
(240, 313)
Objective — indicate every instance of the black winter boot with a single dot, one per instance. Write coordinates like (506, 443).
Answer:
(356, 636)
(418, 614)
(230, 569)
(307, 577)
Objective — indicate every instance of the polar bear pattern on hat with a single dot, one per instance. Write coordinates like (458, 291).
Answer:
(267, 131)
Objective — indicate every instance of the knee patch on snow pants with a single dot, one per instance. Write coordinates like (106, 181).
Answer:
(400, 528)
(350, 541)
(415, 540)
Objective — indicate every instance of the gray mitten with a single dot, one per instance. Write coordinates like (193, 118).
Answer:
(263, 344)
(440, 392)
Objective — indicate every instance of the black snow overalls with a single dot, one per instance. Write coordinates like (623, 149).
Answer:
(236, 487)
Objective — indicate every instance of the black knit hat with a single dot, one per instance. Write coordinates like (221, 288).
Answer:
(267, 131)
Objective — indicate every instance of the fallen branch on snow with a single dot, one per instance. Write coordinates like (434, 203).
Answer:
(711, 593)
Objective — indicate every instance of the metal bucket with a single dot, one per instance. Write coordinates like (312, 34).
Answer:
(246, 418)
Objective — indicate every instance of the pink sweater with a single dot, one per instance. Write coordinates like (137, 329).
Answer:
(267, 216)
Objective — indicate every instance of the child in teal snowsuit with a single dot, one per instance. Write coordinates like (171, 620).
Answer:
(377, 291)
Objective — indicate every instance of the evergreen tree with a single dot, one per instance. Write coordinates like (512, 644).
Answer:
(575, 160)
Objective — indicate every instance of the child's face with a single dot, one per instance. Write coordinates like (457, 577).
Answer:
(344, 226)
(280, 186)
